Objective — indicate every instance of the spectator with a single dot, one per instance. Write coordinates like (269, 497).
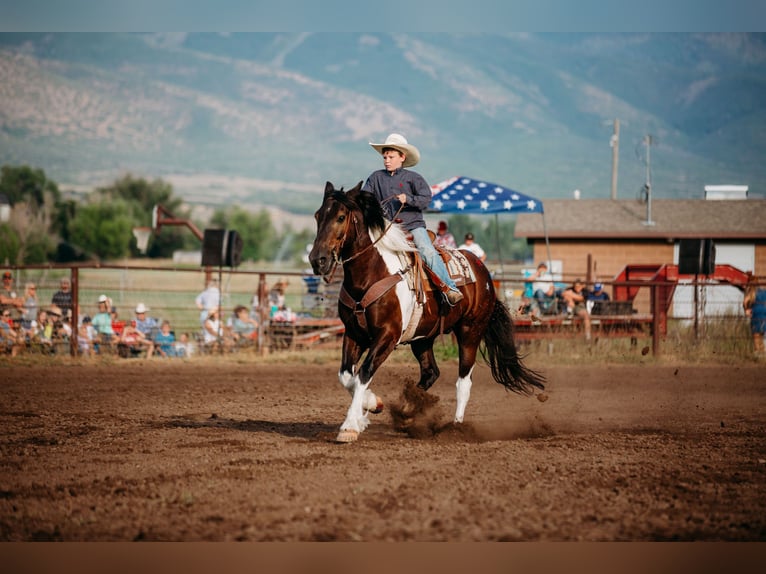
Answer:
(11, 338)
(598, 293)
(277, 296)
(244, 328)
(184, 347)
(404, 194)
(165, 341)
(212, 333)
(133, 340)
(443, 237)
(102, 322)
(543, 292)
(62, 330)
(8, 297)
(30, 306)
(147, 325)
(755, 307)
(470, 245)
(85, 337)
(574, 298)
(117, 324)
(210, 297)
(63, 297)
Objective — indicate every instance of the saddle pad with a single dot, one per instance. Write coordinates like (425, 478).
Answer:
(457, 265)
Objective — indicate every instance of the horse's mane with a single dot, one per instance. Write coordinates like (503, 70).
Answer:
(393, 237)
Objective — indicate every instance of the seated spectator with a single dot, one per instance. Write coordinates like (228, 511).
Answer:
(62, 330)
(8, 297)
(30, 306)
(133, 341)
(165, 341)
(12, 340)
(41, 330)
(85, 337)
(243, 327)
(544, 295)
(184, 347)
(470, 245)
(117, 324)
(213, 336)
(102, 322)
(63, 297)
(149, 326)
(575, 301)
(277, 296)
(443, 236)
(598, 293)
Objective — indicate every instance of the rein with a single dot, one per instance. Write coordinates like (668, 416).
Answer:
(345, 234)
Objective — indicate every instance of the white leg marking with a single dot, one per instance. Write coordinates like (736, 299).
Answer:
(463, 394)
(370, 401)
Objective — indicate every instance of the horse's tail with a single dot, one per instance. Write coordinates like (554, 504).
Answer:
(502, 357)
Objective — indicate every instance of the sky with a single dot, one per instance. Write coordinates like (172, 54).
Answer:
(383, 15)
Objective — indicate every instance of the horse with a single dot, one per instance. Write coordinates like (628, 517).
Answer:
(380, 309)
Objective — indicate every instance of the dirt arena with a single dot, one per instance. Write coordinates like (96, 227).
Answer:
(192, 451)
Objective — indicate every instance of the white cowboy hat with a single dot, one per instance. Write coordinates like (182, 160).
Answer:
(398, 142)
(141, 308)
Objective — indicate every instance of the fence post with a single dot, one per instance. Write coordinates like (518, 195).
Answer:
(656, 318)
(74, 323)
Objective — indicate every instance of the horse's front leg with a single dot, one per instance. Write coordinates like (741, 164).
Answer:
(357, 383)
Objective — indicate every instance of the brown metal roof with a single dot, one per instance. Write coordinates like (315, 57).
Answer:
(673, 219)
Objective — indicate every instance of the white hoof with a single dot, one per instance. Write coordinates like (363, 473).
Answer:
(347, 435)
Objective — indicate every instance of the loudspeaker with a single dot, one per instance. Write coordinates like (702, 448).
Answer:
(696, 257)
(221, 248)
(234, 246)
(213, 247)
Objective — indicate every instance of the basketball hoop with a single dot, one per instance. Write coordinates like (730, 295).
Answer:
(142, 235)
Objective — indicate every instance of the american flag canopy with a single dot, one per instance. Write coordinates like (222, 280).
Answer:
(468, 195)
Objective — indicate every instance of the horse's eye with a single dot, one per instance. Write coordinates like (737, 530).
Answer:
(341, 218)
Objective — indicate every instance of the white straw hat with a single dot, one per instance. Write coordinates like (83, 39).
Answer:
(399, 142)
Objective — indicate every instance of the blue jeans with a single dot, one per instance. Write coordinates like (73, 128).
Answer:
(428, 252)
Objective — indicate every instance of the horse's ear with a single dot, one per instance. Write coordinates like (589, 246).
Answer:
(328, 188)
(358, 186)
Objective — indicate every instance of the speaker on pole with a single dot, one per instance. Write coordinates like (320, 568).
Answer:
(234, 245)
(213, 247)
(221, 247)
(696, 257)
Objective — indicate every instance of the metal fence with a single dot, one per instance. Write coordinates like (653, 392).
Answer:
(698, 311)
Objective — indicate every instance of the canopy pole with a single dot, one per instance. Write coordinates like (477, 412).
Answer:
(499, 251)
(547, 242)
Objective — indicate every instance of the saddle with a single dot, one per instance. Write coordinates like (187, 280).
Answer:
(420, 279)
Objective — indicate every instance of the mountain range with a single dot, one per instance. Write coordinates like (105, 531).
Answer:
(265, 119)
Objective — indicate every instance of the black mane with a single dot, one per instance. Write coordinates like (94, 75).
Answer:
(365, 202)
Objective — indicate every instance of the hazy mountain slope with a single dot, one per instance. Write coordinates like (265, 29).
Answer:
(267, 118)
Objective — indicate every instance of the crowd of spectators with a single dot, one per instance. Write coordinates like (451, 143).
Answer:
(29, 324)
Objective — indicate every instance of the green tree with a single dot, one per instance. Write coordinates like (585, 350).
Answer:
(33, 199)
(103, 229)
(27, 184)
(140, 196)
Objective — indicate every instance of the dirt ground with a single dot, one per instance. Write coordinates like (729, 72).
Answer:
(192, 451)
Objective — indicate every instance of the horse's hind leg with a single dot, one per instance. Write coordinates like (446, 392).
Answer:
(423, 349)
(467, 360)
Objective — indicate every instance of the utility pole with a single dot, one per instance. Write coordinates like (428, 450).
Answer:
(615, 143)
(648, 184)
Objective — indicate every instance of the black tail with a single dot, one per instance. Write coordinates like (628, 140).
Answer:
(500, 354)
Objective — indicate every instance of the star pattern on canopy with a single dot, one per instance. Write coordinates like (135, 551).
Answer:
(468, 195)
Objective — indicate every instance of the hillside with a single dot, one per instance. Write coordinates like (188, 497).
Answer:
(266, 119)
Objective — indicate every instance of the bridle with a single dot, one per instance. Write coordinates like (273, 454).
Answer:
(336, 259)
